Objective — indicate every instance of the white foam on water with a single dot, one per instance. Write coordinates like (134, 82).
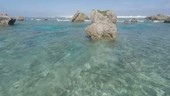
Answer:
(68, 16)
(63, 20)
(131, 16)
(38, 19)
(120, 21)
(157, 21)
(141, 21)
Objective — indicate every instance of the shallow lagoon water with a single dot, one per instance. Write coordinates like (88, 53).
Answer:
(50, 58)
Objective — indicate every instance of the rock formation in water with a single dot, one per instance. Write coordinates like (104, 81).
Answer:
(79, 17)
(133, 20)
(167, 20)
(158, 17)
(45, 19)
(6, 20)
(125, 22)
(103, 25)
(20, 18)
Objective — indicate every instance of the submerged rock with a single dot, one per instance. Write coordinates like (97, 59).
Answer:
(20, 18)
(159, 17)
(103, 25)
(125, 22)
(167, 20)
(133, 20)
(45, 19)
(6, 20)
(79, 17)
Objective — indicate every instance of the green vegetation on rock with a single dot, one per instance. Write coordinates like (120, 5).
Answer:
(83, 14)
(103, 12)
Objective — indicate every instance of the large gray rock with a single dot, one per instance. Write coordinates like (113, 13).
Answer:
(167, 20)
(103, 25)
(6, 20)
(158, 17)
(79, 17)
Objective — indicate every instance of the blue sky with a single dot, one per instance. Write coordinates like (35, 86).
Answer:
(68, 7)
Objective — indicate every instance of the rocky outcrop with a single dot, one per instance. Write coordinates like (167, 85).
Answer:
(6, 20)
(45, 19)
(103, 25)
(158, 17)
(167, 20)
(125, 22)
(79, 17)
(133, 20)
(20, 18)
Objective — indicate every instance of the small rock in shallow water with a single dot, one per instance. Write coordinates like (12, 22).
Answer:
(133, 20)
(79, 17)
(126, 22)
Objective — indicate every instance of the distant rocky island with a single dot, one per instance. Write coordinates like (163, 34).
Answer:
(159, 17)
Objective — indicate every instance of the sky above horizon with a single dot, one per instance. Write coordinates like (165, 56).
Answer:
(69, 7)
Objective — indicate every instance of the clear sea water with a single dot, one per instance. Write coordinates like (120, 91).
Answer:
(50, 58)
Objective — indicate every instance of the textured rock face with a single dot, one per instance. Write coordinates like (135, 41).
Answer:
(159, 17)
(103, 25)
(167, 20)
(79, 17)
(103, 16)
(133, 20)
(6, 20)
(20, 18)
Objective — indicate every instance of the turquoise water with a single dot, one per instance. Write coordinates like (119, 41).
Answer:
(51, 58)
